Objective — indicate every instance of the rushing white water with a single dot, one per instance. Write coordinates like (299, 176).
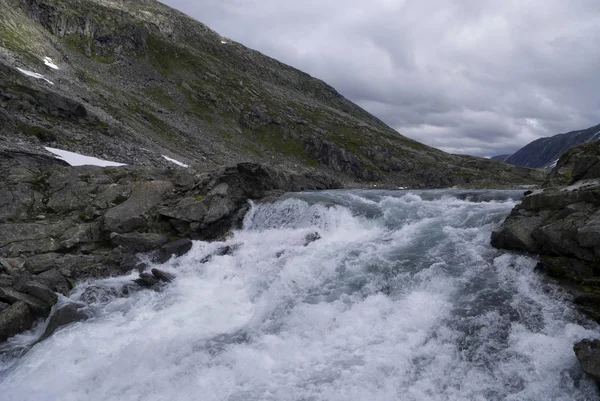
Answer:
(401, 298)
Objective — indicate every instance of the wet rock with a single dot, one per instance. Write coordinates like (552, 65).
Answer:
(132, 262)
(138, 242)
(15, 319)
(588, 354)
(146, 280)
(227, 250)
(162, 275)
(68, 314)
(312, 237)
(98, 294)
(516, 234)
(175, 248)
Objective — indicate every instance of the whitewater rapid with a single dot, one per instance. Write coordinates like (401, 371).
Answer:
(401, 298)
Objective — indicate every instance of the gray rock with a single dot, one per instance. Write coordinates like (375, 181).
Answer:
(40, 263)
(31, 238)
(55, 281)
(81, 234)
(68, 314)
(41, 292)
(176, 248)
(10, 295)
(162, 275)
(3, 306)
(127, 216)
(516, 234)
(588, 354)
(146, 280)
(15, 319)
(188, 209)
(138, 242)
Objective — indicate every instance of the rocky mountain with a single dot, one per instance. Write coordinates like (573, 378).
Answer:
(133, 80)
(561, 224)
(544, 152)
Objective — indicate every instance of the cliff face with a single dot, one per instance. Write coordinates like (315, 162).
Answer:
(545, 152)
(136, 80)
(561, 224)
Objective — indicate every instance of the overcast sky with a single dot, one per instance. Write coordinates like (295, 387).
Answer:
(482, 77)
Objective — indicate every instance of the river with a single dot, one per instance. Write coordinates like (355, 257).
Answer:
(335, 295)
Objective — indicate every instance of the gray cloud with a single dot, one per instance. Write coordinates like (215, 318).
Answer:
(482, 77)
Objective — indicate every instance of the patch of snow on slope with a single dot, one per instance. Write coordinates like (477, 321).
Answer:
(49, 63)
(175, 161)
(34, 75)
(75, 159)
(553, 164)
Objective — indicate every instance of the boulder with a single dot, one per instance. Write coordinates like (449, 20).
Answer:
(70, 313)
(188, 209)
(162, 275)
(41, 292)
(146, 280)
(588, 354)
(38, 306)
(138, 242)
(128, 216)
(516, 234)
(15, 319)
(40, 263)
(55, 281)
(176, 248)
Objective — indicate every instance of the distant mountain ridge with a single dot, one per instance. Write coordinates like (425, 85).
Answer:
(545, 152)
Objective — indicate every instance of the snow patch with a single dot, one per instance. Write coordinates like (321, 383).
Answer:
(48, 61)
(175, 161)
(224, 42)
(75, 159)
(34, 75)
(553, 164)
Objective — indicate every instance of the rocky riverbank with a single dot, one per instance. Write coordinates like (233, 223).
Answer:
(561, 224)
(63, 224)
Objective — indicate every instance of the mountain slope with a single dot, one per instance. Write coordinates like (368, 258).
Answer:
(137, 80)
(545, 152)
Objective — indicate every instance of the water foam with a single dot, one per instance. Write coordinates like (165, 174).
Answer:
(402, 298)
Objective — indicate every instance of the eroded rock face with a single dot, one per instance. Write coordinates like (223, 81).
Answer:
(86, 222)
(561, 224)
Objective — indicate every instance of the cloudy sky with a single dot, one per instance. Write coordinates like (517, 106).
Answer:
(482, 77)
